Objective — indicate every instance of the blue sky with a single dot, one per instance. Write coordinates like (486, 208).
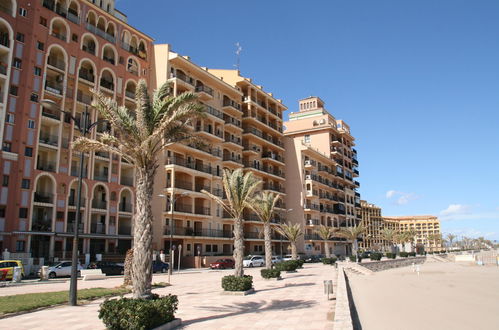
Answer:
(418, 82)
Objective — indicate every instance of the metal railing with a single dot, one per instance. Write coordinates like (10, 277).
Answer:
(49, 139)
(46, 166)
(204, 89)
(126, 181)
(56, 63)
(125, 207)
(44, 197)
(98, 204)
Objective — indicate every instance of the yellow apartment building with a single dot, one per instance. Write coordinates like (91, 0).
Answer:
(373, 221)
(423, 225)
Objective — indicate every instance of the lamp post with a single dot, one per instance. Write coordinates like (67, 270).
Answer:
(84, 127)
(173, 200)
(286, 212)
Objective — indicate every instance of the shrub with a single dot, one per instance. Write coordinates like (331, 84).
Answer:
(390, 255)
(404, 254)
(412, 254)
(270, 273)
(300, 263)
(353, 258)
(127, 313)
(328, 261)
(288, 266)
(376, 256)
(237, 283)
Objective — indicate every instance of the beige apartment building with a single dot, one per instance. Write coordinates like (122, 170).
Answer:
(321, 165)
(423, 225)
(199, 225)
(373, 221)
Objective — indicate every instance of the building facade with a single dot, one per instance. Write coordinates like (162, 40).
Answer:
(373, 221)
(60, 51)
(321, 165)
(423, 225)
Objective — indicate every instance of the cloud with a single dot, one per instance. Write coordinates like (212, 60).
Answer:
(455, 209)
(402, 198)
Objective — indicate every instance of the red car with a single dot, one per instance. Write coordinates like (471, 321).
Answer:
(222, 264)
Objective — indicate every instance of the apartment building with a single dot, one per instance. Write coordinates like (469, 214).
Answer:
(321, 165)
(60, 51)
(373, 221)
(423, 225)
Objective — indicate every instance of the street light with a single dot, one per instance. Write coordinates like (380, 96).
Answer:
(286, 212)
(172, 203)
(84, 127)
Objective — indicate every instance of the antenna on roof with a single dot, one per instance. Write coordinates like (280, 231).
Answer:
(238, 55)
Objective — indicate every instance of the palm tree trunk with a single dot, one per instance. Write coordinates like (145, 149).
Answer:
(268, 245)
(127, 279)
(238, 247)
(326, 247)
(354, 247)
(142, 235)
(294, 252)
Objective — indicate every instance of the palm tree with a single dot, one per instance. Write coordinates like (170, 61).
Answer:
(406, 237)
(140, 135)
(436, 238)
(292, 232)
(390, 235)
(450, 238)
(352, 234)
(239, 188)
(263, 205)
(326, 233)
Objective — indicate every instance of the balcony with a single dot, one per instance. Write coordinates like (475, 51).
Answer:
(85, 75)
(99, 204)
(309, 206)
(230, 103)
(273, 156)
(126, 181)
(312, 237)
(56, 63)
(125, 207)
(233, 139)
(205, 168)
(75, 171)
(72, 201)
(229, 158)
(355, 162)
(189, 231)
(231, 121)
(101, 177)
(59, 36)
(49, 139)
(180, 207)
(107, 84)
(218, 192)
(210, 130)
(51, 114)
(62, 11)
(46, 166)
(204, 89)
(180, 184)
(357, 184)
(202, 210)
(3, 69)
(128, 48)
(274, 187)
(214, 112)
(97, 228)
(312, 222)
(43, 197)
(53, 87)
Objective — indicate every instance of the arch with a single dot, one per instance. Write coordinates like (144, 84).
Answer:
(111, 29)
(132, 65)
(126, 36)
(74, 8)
(59, 28)
(54, 56)
(107, 79)
(125, 201)
(110, 54)
(91, 18)
(101, 23)
(9, 7)
(6, 33)
(89, 43)
(142, 50)
(45, 188)
(99, 187)
(87, 70)
(134, 44)
(130, 88)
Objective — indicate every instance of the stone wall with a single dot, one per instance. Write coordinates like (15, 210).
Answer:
(377, 266)
(342, 314)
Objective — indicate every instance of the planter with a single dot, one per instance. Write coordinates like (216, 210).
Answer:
(170, 325)
(291, 271)
(238, 293)
(273, 279)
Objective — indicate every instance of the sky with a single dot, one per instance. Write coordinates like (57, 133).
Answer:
(417, 81)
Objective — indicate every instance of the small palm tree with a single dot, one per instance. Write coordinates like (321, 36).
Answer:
(292, 232)
(389, 235)
(326, 233)
(435, 239)
(450, 238)
(140, 135)
(263, 205)
(352, 234)
(406, 237)
(239, 188)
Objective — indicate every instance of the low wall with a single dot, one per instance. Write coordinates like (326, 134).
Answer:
(342, 313)
(377, 266)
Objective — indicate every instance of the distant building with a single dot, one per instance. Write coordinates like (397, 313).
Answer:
(373, 221)
(423, 225)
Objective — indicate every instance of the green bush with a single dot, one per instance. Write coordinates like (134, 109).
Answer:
(390, 255)
(270, 273)
(328, 261)
(353, 258)
(237, 283)
(127, 313)
(412, 254)
(404, 254)
(300, 263)
(376, 256)
(288, 266)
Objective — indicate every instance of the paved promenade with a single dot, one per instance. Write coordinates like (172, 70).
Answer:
(296, 302)
(443, 296)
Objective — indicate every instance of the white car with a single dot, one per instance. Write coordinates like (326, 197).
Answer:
(253, 261)
(287, 257)
(62, 269)
(276, 260)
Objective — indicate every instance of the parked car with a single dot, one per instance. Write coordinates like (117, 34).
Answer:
(62, 269)
(8, 267)
(287, 257)
(253, 261)
(222, 264)
(276, 260)
(314, 258)
(108, 268)
(159, 266)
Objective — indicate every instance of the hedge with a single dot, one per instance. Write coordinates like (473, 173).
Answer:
(390, 255)
(270, 273)
(142, 314)
(404, 254)
(328, 261)
(412, 254)
(237, 283)
(288, 266)
(376, 256)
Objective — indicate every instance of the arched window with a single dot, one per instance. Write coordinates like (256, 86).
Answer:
(132, 66)
(108, 54)
(59, 29)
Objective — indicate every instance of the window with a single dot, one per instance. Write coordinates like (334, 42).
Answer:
(60, 215)
(23, 212)
(40, 45)
(74, 37)
(20, 37)
(37, 71)
(23, 12)
(43, 21)
(28, 152)
(10, 118)
(5, 181)
(17, 63)
(2, 212)
(31, 123)
(208, 248)
(13, 90)
(306, 138)
(20, 246)
(34, 97)
(7, 146)
(25, 183)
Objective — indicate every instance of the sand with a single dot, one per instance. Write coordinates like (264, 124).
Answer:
(443, 296)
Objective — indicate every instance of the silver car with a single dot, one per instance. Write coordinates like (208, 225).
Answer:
(253, 261)
(62, 269)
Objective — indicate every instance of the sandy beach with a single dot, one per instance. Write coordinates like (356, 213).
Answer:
(443, 296)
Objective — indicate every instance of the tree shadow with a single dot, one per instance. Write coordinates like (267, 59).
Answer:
(287, 285)
(250, 307)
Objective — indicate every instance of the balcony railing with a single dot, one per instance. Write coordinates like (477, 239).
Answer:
(125, 207)
(53, 87)
(44, 197)
(231, 120)
(107, 84)
(98, 204)
(56, 63)
(51, 114)
(89, 49)
(180, 184)
(202, 210)
(49, 139)
(72, 201)
(126, 181)
(200, 187)
(98, 228)
(71, 226)
(108, 59)
(59, 36)
(180, 207)
(46, 166)
(274, 187)
(189, 231)
(130, 94)
(236, 140)
(231, 103)
(214, 112)
(204, 89)
(41, 225)
(229, 158)
(273, 156)
(129, 48)
(85, 75)
(70, 14)
(101, 177)
(192, 165)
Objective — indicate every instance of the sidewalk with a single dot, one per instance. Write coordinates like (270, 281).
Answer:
(296, 302)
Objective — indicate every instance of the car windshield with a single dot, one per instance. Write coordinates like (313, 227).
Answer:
(247, 258)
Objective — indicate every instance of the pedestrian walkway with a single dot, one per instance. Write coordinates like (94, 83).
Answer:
(296, 302)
